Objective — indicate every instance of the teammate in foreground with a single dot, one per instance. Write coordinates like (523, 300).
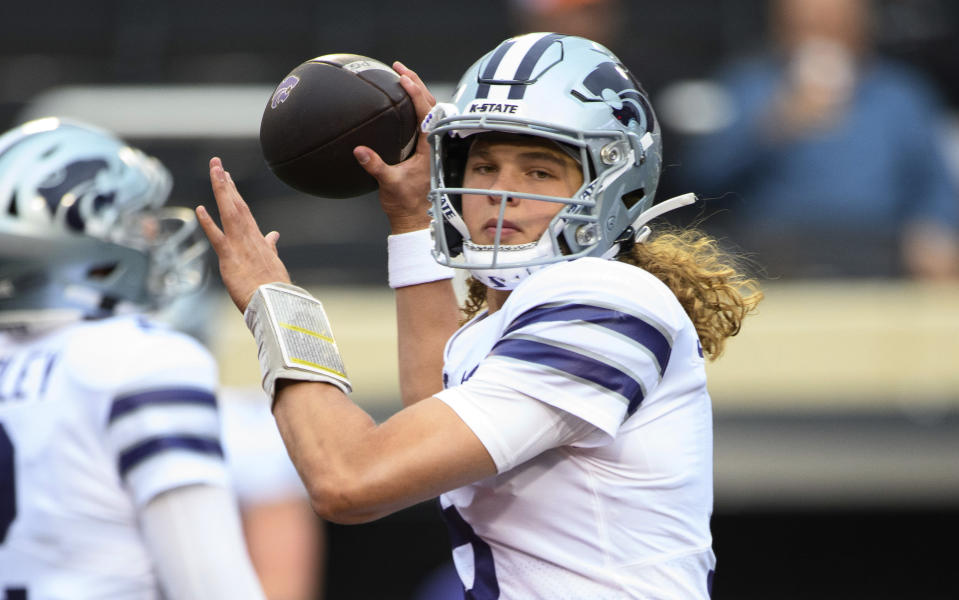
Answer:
(112, 479)
(566, 425)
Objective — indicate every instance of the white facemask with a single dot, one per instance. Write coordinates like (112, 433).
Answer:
(506, 277)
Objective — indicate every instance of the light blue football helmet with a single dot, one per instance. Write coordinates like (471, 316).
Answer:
(574, 92)
(83, 227)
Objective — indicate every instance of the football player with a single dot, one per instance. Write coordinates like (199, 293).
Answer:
(566, 425)
(112, 477)
(284, 537)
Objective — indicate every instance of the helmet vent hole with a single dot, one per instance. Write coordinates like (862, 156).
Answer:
(630, 199)
(101, 271)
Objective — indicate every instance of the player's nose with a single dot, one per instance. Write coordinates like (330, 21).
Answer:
(503, 182)
(496, 199)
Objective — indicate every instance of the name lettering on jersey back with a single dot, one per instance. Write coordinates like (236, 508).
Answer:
(24, 377)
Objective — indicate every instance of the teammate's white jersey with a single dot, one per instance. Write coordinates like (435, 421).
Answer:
(96, 419)
(621, 508)
(260, 467)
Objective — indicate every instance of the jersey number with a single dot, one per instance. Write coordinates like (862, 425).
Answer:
(8, 502)
(8, 496)
(485, 586)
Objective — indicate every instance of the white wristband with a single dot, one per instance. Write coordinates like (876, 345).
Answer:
(293, 337)
(411, 260)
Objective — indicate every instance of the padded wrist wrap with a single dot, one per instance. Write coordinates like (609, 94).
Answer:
(293, 337)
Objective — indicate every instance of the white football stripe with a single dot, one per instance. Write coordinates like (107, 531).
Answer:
(510, 63)
(163, 420)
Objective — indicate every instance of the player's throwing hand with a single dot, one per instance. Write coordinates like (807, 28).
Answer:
(403, 187)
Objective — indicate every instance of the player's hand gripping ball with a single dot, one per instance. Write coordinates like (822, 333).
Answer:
(326, 107)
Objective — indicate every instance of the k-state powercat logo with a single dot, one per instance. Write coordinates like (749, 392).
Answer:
(283, 90)
(613, 84)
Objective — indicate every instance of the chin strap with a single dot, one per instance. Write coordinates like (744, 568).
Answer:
(293, 338)
(638, 232)
(639, 225)
(507, 278)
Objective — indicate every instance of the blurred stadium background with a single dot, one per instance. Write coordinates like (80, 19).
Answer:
(837, 409)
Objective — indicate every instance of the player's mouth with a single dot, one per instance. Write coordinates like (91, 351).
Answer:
(509, 230)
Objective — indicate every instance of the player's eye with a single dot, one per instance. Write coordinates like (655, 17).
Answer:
(540, 174)
(483, 169)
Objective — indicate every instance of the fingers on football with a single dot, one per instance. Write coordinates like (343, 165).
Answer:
(374, 165)
(423, 101)
(404, 70)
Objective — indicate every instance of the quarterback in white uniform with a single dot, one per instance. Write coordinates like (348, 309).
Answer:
(112, 475)
(566, 426)
(623, 503)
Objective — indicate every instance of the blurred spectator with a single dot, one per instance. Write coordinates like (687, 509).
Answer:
(830, 161)
(597, 20)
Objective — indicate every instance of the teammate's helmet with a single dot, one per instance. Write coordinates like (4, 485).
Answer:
(562, 88)
(83, 229)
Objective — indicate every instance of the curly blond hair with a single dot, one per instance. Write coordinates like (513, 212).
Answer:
(708, 282)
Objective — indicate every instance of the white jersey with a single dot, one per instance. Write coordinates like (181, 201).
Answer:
(620, 510)
(259, 465)
(97, 419)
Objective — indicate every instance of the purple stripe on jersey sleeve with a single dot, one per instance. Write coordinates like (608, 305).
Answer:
(136, 454)
(577, 365)
(131, 402)
(482, 90)
(625, 324)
